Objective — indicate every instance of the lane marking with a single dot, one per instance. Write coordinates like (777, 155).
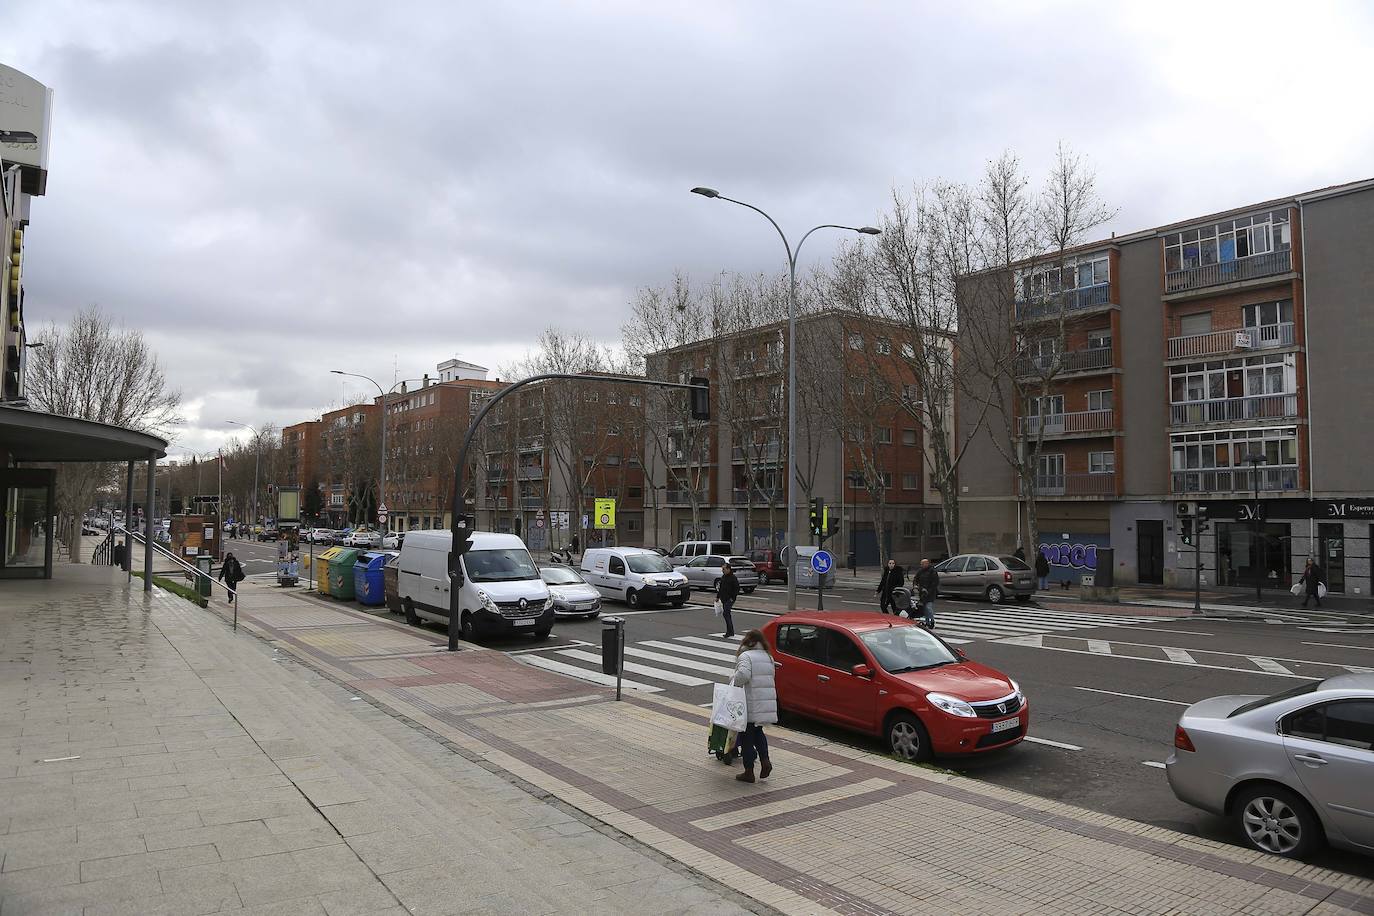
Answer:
(570, 644)
(1151, 763)
(1179, 655)
(1023, 641)
(688, 650)
(1164, 630)
(706, 641)
(1099, 646)
(1338, 645)
(691, 664)
(1059, 744)
(1149, 645)
(657, 674)
(1134, 696)
(1268, 664)
(583, 674)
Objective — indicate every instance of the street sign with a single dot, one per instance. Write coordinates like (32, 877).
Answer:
(821, 561)
(605, 514)
(539, 520)
(584, 521)
(381, 515)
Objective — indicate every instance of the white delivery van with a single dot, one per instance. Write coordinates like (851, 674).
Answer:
(502, 594)
(634, 575)
(686, 551)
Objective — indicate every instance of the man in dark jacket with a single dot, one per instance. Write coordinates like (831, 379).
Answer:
(231, 574)
(927, 588)
(893, 577)
(727, 590)
(1042, 570)
(1312, 578)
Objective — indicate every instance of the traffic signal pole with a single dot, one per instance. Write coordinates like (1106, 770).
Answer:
(462, 526)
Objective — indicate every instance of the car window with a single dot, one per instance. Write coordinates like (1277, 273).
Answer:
(697, 563)
(976, 564)
(1306, 723)
(741, 563)
(899, 649)
(802, 641)
(617, 566)
(697, 549)
(1297, 691)
(1014, 564)
(1351, 723)
(679, 550)
(840, 651)
(715, 561)
(720, 547)
(953, 566)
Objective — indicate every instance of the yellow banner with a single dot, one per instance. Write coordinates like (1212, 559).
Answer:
(605, 515)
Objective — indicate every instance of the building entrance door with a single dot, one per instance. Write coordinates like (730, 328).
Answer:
(26, 533)
(1149, 551)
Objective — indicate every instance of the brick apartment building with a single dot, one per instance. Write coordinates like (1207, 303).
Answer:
(1184, 352)
(300, 446)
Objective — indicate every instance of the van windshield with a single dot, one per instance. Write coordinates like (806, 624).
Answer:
(648, 563)
(509, 564)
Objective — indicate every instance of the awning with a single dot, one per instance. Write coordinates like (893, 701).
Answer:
(31, 435)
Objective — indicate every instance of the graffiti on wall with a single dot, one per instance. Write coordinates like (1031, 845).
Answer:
(1073, 556)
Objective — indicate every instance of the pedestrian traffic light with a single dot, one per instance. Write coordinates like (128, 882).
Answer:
(701, 397)
(820, 518)
(1185, 530)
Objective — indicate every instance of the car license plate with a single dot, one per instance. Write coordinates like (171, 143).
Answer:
(529, 622)
(1006, 725)
(673, 593)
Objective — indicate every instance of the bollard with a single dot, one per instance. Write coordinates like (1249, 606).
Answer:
(613, 648)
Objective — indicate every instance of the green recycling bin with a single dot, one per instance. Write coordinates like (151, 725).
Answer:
(341, 572)
(206, 580)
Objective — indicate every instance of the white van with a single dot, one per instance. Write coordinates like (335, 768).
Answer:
(634, 575)
(502, 594)
(685, 551)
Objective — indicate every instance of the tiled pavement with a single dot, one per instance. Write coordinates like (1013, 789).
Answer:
(346, 794)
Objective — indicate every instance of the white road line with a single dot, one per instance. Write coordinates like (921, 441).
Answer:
(1099, 646)
(596, 677)
(1151, 763)
(1164, 630)
(706, 641)
(1268, 664)
(1025, 641)
(691, 664)
(1179, 655)
(570, 644)
(1134, 696)
(724, 656)
(1150, 645)
(657, 674)
(1357, 669)
(968, 623)
(1060, 744)
(1338, 645)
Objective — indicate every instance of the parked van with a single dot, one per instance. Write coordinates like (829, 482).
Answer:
(503, 593)
(685, 551)
(634, 575)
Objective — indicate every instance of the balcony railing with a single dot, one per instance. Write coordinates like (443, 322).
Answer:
(683, 497)
(1072, 423)
(740, 497)
(1084, 360)
(1074, 300)
(1248, 268)
(1075, 484)
(1228, 410)
(771, 451)
(531, 472)
(1235, 480)
(1215, 343)
(531, 502)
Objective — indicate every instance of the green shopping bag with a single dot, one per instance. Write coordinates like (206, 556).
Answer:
(721, 741)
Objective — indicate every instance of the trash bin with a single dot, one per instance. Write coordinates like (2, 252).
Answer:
(368, 584)
(205, 581)
(322, 569)
(391, 583)
(612, 634)
(341, 573)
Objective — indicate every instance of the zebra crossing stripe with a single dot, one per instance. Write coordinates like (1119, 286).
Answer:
(1268, 664)
(596, 677)
(721, 656)
(1179, 655)
(709, 641)
(657, 674)
(689, 663)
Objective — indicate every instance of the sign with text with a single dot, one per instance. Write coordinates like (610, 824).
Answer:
(604, 515)
(25, 119)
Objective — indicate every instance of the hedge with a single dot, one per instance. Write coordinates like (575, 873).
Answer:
(177, 588)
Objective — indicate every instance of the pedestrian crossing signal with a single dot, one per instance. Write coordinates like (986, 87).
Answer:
(1185, 530)
(820, 518)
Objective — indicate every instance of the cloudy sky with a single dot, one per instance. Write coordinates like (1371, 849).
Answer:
(271, 189)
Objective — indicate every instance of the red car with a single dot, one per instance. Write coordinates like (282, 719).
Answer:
(886, 676)
(769, 565)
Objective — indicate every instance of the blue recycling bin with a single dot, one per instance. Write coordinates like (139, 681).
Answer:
(369, 584)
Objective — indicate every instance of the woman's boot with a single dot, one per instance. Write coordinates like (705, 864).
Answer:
(765, 767)
(746, 776)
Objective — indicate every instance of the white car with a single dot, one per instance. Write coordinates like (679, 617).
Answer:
(365, 537)
(392, 540)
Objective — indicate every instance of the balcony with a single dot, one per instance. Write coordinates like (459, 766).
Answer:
(1248, 268)
(532, 445)
(531, 502)
(1073, 423)
(1074, 300)
(771, 451)
(683, 497)
(531, 472)
(1101, 485)
(1235, 480)
(740, 497)
(1232, 410)
(1092, 359)
(1220, 343)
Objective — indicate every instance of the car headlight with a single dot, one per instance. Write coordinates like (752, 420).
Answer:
(549, 602)
(487, 602)
(1017, 687)
(559, 603)
(951, 705)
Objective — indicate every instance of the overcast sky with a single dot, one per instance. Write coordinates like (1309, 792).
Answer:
(271, 189)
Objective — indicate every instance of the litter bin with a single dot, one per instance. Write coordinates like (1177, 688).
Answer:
(806, 576)
(1104, 576)
(341, 573)
(204, 581)
(390, 583)
(612, 643)
(322, 569)
(368, 583)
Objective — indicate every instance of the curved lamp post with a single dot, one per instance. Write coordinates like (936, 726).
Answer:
(257, 463)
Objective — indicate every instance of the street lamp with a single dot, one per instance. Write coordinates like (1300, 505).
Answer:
(1255, 461)
(792, 531)
(381, 485)
(257, 464)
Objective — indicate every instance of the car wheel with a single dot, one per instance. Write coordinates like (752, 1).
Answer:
(995, 594)
(679, 602)
(763, 578)
(412, 618)
(467, 628)
(1274, 820)
(907, 737)
(632, 598)
(748, 591)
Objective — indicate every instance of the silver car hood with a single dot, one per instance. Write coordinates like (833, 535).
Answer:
(1218, 707)
(574, 592)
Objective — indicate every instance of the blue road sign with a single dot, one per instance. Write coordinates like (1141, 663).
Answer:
(821, 561)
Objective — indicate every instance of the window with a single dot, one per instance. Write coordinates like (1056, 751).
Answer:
(1051, 405)
(1100, 400)
(635, 492)
(887, 479)
(858, 435)
(908, 351)
(909, 437)
(634, 400)
(937, 528)
(613, 461)
(841, 652)
(955, 565)
(1349, 723)
(1049, 470)
(857, 386)
(976, 564)
(1073, 274)
(909, 393)
(910, 482)
(632, 523)
(1263, 314)
(1099, 340)
(911, 529)
(856, 341)
(884, 435)
(883, 346)
(1228, 240)
(801, 641)
(617, 566)
(1197, 323)
(1101, 462)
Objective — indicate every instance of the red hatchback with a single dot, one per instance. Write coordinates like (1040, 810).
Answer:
(887, 676)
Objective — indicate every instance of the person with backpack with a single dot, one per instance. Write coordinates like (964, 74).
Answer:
(231, 574)
(893, 577)
(754, 671)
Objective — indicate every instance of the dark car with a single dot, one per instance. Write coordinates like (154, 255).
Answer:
(769, 565)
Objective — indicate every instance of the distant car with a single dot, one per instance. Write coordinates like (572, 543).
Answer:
(685, 551)
(268, 533)
(994, 578)
(392, 540)
(1292, 770)
(572, 596)
(364, 537)
(705, 572)
(339, 537)
(887, 676)
(769, 566)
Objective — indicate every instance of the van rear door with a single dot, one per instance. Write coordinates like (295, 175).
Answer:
(434, 583)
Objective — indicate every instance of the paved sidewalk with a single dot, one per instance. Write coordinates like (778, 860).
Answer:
(151, 761)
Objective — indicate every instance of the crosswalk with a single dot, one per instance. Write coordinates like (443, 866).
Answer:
(969, 625)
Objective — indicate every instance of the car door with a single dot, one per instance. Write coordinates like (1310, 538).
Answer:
(713, 571)
(800, 661)
(951, 575)
(841, 696)
(615, 577)
(1331, 749)
(973, 579)
(696, 573)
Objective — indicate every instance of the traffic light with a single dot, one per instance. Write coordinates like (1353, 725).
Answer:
(820, 518)
(1185, 530)
(701, 397)
(463, 526)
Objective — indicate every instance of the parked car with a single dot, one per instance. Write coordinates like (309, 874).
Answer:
(993, 578)
(392, 540)
(339, 537)
(705, 572)
(572, 596)
(266, 533)
(769, 566)
(1293, 770)
(685, 551)
(364, 537)
(502, 592)
(634, 575)
(891, 678)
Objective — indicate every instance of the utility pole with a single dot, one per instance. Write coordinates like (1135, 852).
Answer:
(1255, 461)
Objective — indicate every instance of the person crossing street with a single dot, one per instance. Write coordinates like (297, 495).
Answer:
(893, 577)
(927, 589)
(726, 592)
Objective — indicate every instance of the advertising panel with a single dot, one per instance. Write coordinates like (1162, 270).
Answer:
(25, 116)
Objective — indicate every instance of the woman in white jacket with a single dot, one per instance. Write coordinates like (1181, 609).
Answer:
(754, 672)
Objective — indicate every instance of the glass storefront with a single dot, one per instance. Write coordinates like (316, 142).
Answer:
(26, 538)
(1242, 557)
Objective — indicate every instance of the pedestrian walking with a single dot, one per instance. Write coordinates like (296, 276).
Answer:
(1313, 579)
(1020, 554)
(575, 546)
(754, 672)
(893, 577)
(1042, 570)
(927, 590)
(727, 590)
(231, 574)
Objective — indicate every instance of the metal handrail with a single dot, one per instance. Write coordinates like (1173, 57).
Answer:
(187, 567)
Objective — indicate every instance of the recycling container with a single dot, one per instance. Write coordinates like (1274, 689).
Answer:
(205, 580)
(391, 583)
(368, 584)
(322, 569)
(341, 573)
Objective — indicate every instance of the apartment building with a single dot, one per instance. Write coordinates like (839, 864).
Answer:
(300, 448)
(1211, 362)
(858, 447)
(349, 452)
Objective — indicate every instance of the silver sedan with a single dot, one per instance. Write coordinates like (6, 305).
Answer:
(572, 596)
(1292, 770)
(705, 572)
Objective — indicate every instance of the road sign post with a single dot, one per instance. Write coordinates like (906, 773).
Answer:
(821, 564)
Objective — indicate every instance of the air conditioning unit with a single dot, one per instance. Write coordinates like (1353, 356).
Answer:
(1185, 509)
(1243, 340)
